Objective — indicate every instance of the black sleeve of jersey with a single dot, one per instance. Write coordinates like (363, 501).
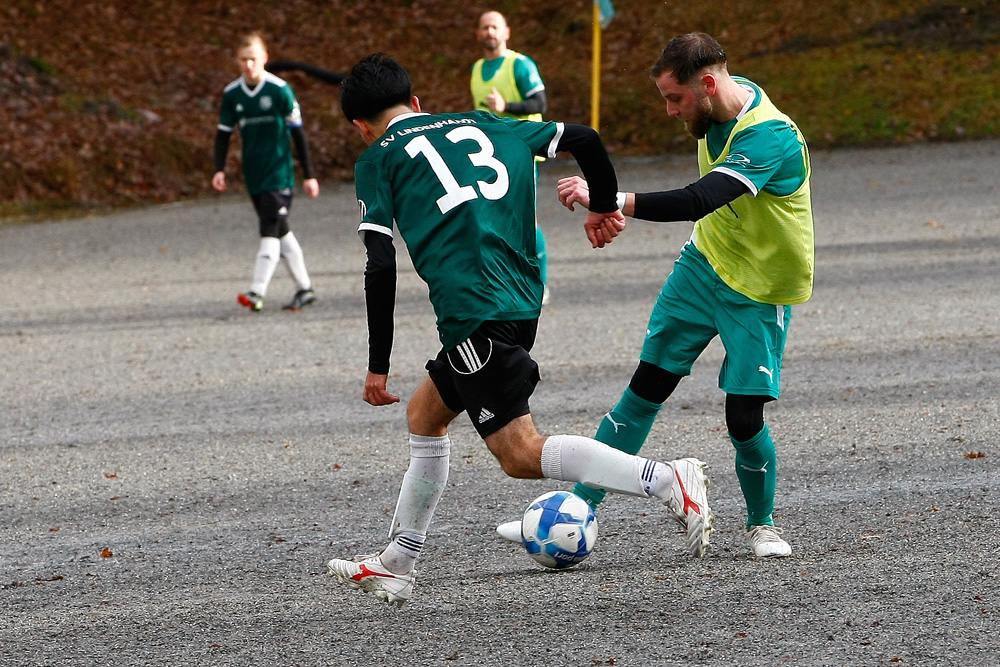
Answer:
(221, 149)
(586, 146)
(536, 103)
(380, 299)
(302, 150)
(324, 75)
(714, 190)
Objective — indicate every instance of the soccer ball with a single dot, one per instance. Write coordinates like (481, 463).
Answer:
(559, 529)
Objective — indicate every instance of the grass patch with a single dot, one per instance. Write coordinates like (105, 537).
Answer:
(882, 94)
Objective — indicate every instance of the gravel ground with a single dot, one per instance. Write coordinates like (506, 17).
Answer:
(175, 470)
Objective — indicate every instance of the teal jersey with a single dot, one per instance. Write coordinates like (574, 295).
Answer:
(264, 116)
(766, 156)
(460, 190)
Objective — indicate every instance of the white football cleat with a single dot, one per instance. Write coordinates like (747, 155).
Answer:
(368, 574)
(688, 500)
(767, 543)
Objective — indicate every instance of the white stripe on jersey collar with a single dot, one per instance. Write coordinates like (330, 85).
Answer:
(403, 116)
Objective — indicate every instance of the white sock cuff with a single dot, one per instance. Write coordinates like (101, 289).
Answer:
(429, 446)
(552, 457)
(409, 541)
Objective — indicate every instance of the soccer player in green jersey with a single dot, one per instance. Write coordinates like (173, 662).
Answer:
(264, 108)
(748, 261)
(459, 189)
(507, 83)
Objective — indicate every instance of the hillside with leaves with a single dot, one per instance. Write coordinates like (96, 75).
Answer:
(115, 103)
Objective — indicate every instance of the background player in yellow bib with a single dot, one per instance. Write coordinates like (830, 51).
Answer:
(507, 83)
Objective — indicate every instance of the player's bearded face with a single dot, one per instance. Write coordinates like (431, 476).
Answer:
(488, 39)
(689, 103)
(492, 31)
(701, 119)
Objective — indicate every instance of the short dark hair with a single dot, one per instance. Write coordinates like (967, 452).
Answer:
(375, 83)
(686, 55)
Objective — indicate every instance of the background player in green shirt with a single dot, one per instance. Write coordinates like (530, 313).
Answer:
(459, 188)
(749, 259)
(264, 107)
(507, 83)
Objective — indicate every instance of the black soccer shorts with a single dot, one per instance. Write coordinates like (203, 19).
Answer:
(272, 209)
(490, 375)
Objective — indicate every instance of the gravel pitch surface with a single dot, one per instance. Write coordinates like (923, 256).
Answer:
(175, 470)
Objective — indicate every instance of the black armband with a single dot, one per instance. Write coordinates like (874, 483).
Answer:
(221, 149)
(302, 150)
(712, 191)
(586, 146)
(380, 298)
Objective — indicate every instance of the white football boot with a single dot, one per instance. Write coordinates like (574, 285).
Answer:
(687, 498)
(368, 574)
(767, 543)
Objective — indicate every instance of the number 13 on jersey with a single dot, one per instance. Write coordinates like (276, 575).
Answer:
(454, 192)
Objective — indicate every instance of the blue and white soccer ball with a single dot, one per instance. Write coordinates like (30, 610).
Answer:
(559, 529)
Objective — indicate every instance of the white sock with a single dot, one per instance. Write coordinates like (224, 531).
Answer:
(419, 494)
(574, 458)
(291, 252)
(268, 255)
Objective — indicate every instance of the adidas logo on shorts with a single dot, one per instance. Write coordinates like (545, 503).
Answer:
(485, 415)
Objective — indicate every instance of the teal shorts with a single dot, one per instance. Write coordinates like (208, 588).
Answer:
(694, 306)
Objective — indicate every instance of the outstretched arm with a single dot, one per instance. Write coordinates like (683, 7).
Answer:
(710, 192)
(324, 75)
(693, 202)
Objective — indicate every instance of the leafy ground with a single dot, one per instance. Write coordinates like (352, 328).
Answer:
(115, 103)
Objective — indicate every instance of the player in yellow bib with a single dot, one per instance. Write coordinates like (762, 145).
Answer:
(507, 83)
(748, 261)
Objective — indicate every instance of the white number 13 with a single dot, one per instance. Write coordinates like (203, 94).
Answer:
(455, 194)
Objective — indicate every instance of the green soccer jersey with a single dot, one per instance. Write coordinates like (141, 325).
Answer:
(765, 156)
(460, 189)
(264, 115)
